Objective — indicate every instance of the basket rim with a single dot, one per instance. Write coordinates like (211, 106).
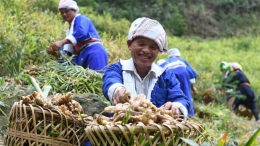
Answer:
(47, 111)
(23, 124)
(108, 134)
(138, 128)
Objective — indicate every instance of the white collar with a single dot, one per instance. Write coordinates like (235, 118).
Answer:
(128, 65)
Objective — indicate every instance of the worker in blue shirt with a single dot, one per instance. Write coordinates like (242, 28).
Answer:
(82, 39)
(140, 75)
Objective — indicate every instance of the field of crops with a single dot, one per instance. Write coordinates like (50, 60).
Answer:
(26, 31)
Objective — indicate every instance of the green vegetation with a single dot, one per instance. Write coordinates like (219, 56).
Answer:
(219, 18)
(27, 27)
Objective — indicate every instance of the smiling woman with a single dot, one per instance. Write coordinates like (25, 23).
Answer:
(140, 75)
(67, 14)
(82, 39)
(144, 52)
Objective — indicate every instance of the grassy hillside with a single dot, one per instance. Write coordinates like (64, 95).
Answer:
(218, 18)
(206, 55)
(27, 27)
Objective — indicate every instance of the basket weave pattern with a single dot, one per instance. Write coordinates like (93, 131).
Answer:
(143, 135)
(35, 126)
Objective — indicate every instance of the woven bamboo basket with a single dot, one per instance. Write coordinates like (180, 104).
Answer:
(35, 126)
(165, 135)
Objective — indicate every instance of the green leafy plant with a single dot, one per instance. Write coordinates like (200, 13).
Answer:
(126, 117)
(28, 26)
(2, 104)
(222, 141)
(253, 138)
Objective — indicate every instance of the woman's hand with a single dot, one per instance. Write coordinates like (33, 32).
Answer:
(194, 89)
(122, 95)
(57, 45)
(49, 50)
(170, 106)
(55, 53)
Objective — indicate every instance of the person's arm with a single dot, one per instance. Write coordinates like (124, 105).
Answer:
(80, 33)
(113, 82)
(81, 30)
(54, 48)
(58, 44)
(176, 95)
(193, 76)
(191, 71)
(231, 81)
(194, 89)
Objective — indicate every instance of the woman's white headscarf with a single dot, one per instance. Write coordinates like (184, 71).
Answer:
(68, 4)
(174, 53)
(151, 29)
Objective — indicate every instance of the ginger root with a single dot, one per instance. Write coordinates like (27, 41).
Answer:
(62, 102)
(26, 100)
(138, 110)
(39, 100)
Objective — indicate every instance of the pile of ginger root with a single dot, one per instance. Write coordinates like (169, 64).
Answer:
(140, 112)
(61, 102)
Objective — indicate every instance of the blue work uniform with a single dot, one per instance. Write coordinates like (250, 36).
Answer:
(86, 44)
(181, 73)
(166, 86)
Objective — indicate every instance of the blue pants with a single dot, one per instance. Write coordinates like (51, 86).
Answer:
(94, 57)
(87, 143)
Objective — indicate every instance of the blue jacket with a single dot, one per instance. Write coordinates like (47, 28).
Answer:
(190, 70)
(94, 55)
(84, 29)
(181, 73)
(167, 87)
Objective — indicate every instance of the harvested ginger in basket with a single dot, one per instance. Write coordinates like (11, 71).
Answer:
(138, 110)
(61, 102)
